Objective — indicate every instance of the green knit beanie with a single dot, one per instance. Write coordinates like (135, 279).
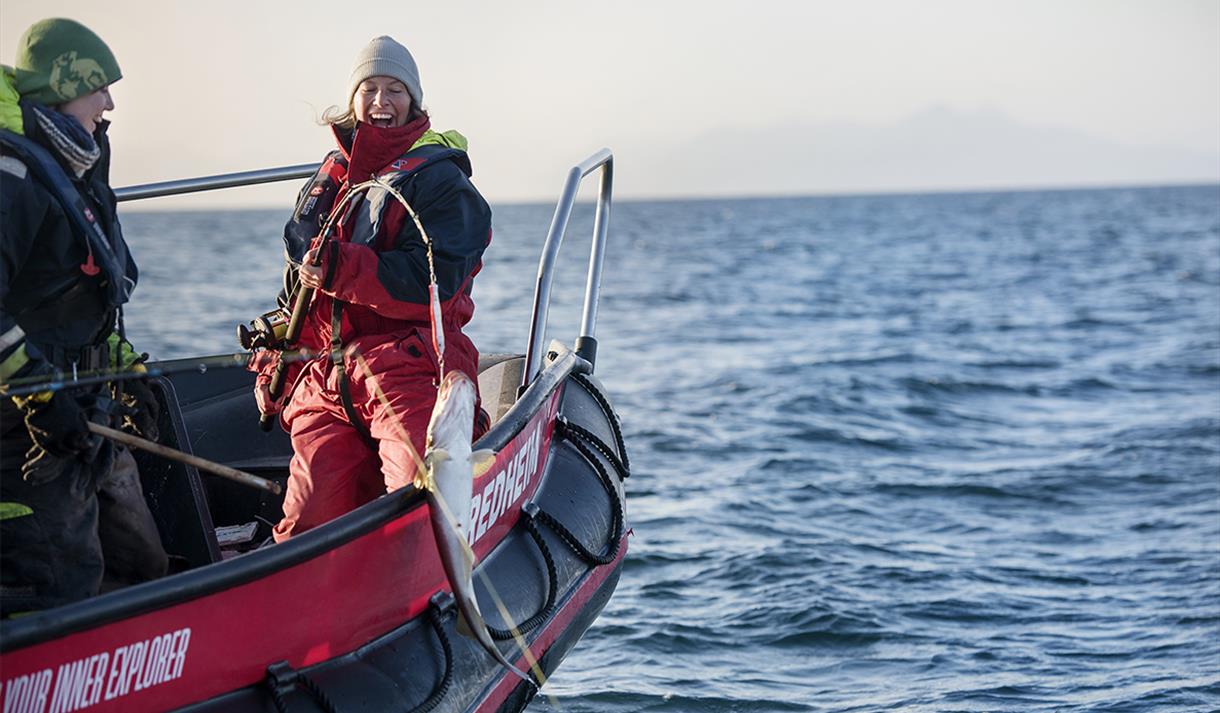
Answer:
(59, 60)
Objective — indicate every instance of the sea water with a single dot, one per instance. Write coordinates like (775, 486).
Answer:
(926, 452)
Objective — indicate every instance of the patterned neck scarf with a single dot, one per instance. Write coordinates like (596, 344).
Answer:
(68, 138)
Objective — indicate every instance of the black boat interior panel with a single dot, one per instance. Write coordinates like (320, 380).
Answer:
(213, 415)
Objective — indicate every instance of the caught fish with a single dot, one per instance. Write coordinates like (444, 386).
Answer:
(449, 482)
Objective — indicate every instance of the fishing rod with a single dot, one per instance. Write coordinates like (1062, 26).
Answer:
(220, 469)
(300, 306)
(304, 295)
(58, 382)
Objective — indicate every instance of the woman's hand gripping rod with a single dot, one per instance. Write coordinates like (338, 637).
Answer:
(299, 309)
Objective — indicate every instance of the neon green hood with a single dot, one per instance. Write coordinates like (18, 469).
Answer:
(10, 112)
(449, 139)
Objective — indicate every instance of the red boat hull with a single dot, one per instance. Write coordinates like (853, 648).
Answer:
(322, 601)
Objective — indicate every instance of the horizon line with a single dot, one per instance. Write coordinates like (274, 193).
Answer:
(703, 198)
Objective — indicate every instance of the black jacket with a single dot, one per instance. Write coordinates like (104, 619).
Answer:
(50, 288)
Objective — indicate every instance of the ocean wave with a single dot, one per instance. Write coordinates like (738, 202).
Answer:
(1033, 364)
(952, 491)
(821, 435)
(957, 387)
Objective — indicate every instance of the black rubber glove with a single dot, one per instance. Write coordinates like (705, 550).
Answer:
(143, 409)
(58, 425)
(41, 467)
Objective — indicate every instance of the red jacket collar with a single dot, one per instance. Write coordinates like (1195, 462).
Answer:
(368, 149)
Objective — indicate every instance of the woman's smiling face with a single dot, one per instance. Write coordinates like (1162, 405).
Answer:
(382, 101)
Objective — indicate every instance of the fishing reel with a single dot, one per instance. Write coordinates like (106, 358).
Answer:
(264, 332)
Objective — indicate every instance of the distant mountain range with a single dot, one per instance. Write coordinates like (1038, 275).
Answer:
(938, 149)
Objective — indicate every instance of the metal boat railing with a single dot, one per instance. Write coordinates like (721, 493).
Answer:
(586, 343)
(211, 183)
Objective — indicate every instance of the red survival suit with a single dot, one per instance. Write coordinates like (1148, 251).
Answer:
(370, 319)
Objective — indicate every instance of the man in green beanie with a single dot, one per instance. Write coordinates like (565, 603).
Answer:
(72, 511)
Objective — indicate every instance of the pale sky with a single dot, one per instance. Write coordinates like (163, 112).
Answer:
(695, 97)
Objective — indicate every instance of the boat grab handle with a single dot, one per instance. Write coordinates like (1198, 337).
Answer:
(586, 344)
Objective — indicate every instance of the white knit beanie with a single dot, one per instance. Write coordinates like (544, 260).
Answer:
(383, 57)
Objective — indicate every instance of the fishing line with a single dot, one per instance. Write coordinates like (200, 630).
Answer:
(434, 297)
(438, 344)
(302, 296)
(385, 401)
(518, 637)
